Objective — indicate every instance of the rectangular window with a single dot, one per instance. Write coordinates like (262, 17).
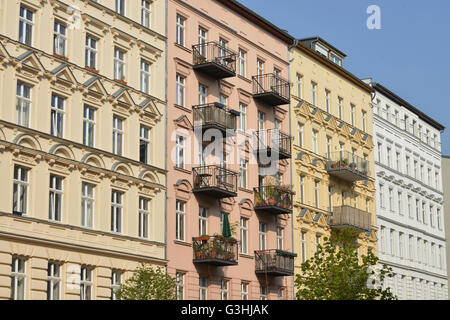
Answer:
(280, 238)
(91, 52)
(259, 67)
(224, 289)
(300, 134)
(407, 165)
(243, 165)
(120, 7)
(179, 278)
(180, 144)
(57, 116)
(330, 199)
(145, 76)
(391, 199)
(59, 39)
(316, 194)
(381, 194)
(86, 283)
(281, 293)
(411, 248)
(144, 145)
(18, 278)
(340, 111)
(116, 211)
(299, 86)
(20, 190)
(262, 236)
(313, 93)
(202, 42)
(180, 214)
(314, 141)
(202, 221)
(244, 291)
(400, 245)
(116, 281)
(180, 90)
(87, 205)
(242, 63)
(180, 30)
(23, 106)
(399, 203)
(203, 288)
(53, 281)
(55, 198)
(243, 117)
(262, 293)
(327, 101)
(26, 22)
(144, 217)
(303, 246)
(117, 136)
(317, 242)
(244, 235)
(119, 64)
(88, 126)
(146, 13)
(302, 189)
(364, 121)
(382, 239)
(352, 114)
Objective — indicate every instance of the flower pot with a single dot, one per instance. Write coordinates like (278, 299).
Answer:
(271, 201)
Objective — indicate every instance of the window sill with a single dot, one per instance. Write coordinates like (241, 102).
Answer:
(182, 170)
(182, 47)
(246, 255)
(244, 78)
(183, 243)
(245, 190)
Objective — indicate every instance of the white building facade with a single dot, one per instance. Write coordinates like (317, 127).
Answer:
(409, 198)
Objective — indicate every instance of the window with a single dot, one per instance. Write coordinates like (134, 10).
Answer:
(261, 119)
(203, 288)
(180, 214)
(57, 116)
(224, 289)
(180, 152)
(327, 101)
(340, 108)
(53, 281)
(244, 235)
(116, 280)
(26, 26)
(391, 199)
(23, 104)
(315, 143)
(262, 236)
(316, 193)
(119, 64)
(313, 93)
(262, 293)
(300, 134)
(117, 136)
(202, 42)
(299, 86)
(120, 7)
(202, 221)
(317, 242)
(223, 99)
(382, 239)
(393, 251)
(302, 189)
(144, 145)
(352, 114)
(243, 117)
(146, 13)
(55, 198)
(242, 63)
(145, 76)
(259, 67)
(18, 278)
(144, 217)
(400, 244)
(180, 30)
(397, 161)
(179, 278)
(243, 165)
(407, 165)
(438, 217)
(330, 199)
(88, 126)
(180, 90)
(410, 211)
(20, 190)
(87, 205)
(86, 283)
(116, 211)
(91, 52)
(280, 238)
(303, 246)
(244, 291)
(381, 195)
(59, 39)
(399, 203)
(411, 248)
(202, 94)
(388, 152)
(281, 293)
(364, 120)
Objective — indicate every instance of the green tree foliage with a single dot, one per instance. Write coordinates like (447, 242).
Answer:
(336, 273)
(148, 283)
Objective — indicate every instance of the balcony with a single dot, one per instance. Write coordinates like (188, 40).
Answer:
(346, 216)
(215, 116)
(273, 141)
(275, 263)
(271, 89)
(347, 166)
(273, 199)
(214, 60)
(215, 250)
(215, 181)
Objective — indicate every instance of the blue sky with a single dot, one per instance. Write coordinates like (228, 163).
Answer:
(410, 55)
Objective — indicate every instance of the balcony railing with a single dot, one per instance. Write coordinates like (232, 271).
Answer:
(215, 60)
(274, 140)
(347, 166)
(215, 181)
(215, 250)
(215, 115)
(276, 263)
(273, 199)
(271, 89)
(346, 216)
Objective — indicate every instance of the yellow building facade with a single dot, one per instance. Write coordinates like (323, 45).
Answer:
(82, 199)
(332, 165)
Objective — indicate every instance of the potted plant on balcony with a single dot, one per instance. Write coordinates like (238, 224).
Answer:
(343, 163)
(203, 237)
(353, 166)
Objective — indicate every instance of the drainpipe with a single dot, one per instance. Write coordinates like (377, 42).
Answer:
(165, 137)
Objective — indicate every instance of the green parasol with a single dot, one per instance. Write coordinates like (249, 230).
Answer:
(226, 230)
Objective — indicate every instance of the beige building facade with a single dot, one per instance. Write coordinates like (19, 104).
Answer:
(82, 202)
(446, 189)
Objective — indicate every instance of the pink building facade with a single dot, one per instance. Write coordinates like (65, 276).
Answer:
(226, 73)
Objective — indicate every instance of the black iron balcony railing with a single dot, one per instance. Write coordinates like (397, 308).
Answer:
(215, 115)
(215, 181)
(271, 89)
(215, 250)
(273, 199)
(346, 216)
(215, 60)
(276, 263)
(274, 140)
(347, 166)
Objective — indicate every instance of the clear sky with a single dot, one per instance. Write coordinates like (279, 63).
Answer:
(410, 54)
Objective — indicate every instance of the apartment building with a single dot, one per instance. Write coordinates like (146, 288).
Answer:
(445, 189)
(410, 211)
(82, 114)
(332, 169)
(227, 78)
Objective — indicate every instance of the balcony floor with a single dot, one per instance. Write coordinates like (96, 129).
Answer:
(274, 272)
(271, 98)
(273, 209)
(347, 174)
(347, 225)
(215, 192)
(215, 262)
(214, 70)
(268, 151)
(221, 128)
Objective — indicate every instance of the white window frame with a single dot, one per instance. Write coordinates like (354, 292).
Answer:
(89, 126)
(243, 117)
(181, 88)
(26, 26)
(86, 283)
(146, 68)
(202, 221)
(21, 184)
(180, 220)
(243, 178)
(55, 212)
(242, 55)
(280, 238)
(54, 280)
(146, 13)
(119, 64)
(180, 35)
(224, 288)
(23, 107)
(57, 116)
(16, 276)
(118, 133)
(87, 198)
(202, 94)
(116, 281)
(120, 7)
(180, 148)
(144, 217)
(244, 235)
(179, 278)
(144, 141)
(91, 51)
(303, 245)
(262, 236)
(116, 211)
(59, 38)
(244, 290)
(203, 288)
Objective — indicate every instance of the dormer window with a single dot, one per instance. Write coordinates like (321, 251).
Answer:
(334, 58)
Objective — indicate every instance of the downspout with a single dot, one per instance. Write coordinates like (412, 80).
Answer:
(166, 14)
